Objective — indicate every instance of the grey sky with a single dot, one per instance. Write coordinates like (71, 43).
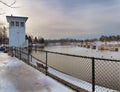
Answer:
(69, 18)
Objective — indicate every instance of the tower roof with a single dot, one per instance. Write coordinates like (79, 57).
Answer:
(9, 18)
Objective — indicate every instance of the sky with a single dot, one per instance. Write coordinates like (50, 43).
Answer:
(54, 19)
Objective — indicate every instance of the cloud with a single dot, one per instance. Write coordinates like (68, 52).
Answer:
(64, 18)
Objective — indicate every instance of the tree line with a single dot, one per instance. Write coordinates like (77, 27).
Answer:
(3, 35)
(34, 40)
(103, 38)
(110, 38)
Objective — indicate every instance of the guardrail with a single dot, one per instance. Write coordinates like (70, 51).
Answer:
(96, 71)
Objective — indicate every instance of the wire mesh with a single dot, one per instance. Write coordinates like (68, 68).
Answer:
(39, 60)
(77, 67)
(79, 70)
(17, 53)
(107, 74)
(40, 55)
(24, 56)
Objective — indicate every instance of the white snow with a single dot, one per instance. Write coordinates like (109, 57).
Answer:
(16, 76)
(98, 43)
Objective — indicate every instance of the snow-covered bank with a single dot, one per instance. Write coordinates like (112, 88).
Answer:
(98, 43)
(16, 76)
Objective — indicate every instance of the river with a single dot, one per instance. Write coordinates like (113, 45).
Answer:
(107, 73)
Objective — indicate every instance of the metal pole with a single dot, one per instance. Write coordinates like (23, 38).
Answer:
(15, 51)
(46, 63)
(31, 58)
(28, 54)
(20, 53)
(93, 74)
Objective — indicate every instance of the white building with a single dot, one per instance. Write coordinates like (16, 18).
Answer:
(17, 31)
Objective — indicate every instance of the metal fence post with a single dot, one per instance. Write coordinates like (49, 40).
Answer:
(20, 53)
(46, 62)
(31, 58)
(15, 52)
(28, 55)
(93, 74)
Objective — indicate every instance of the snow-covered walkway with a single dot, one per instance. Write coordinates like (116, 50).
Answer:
(16, 76)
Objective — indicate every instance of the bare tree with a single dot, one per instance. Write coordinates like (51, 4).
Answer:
(8, 5)
(3, 34)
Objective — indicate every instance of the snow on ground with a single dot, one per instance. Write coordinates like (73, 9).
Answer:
(98, 43)
(16, 76)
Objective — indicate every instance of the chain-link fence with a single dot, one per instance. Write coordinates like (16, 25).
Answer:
(77, 67)
(107, 74)
(89, 73)
(21, 54)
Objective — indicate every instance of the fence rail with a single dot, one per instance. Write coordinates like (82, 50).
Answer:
(96, 71)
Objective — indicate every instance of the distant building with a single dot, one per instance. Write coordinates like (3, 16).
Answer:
(17, 31)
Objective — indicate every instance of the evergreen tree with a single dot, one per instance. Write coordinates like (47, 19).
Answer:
(35, 40)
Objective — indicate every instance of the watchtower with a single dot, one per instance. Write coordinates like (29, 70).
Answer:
(17, 31)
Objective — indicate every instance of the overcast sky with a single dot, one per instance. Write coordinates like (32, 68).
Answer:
(68, 18)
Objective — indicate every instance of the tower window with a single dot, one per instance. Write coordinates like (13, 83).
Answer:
(12, 23)
(17, 23)
(22, 24)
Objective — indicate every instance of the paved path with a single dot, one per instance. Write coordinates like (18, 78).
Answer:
(16, 76)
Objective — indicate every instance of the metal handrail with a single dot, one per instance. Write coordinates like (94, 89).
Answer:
(93, 59)
(66, 54)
